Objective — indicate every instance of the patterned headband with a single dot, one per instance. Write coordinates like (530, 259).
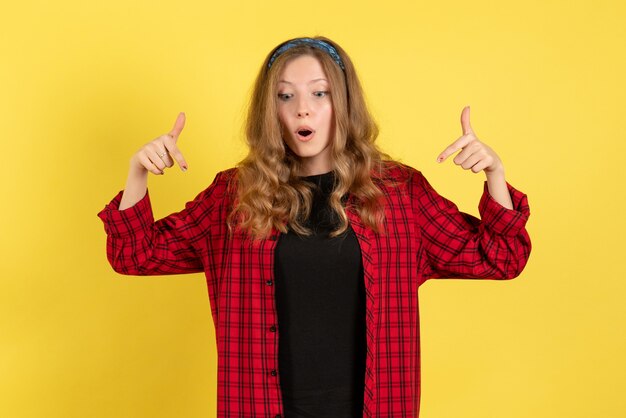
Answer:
(324, 46)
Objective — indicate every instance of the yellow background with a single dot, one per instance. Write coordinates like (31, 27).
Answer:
(85, 84)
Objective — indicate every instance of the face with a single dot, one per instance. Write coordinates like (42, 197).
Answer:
(305, 112)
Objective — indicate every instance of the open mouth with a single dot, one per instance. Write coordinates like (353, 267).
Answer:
(305, 133)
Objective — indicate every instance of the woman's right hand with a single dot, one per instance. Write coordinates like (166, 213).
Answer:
(160, 152)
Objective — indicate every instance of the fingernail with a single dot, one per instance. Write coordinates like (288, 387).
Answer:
(184, 168)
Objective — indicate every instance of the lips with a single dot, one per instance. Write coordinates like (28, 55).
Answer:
(305, 133)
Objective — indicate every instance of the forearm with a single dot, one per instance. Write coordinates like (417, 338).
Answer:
(136, 187)
(459, 245)
(498, 188)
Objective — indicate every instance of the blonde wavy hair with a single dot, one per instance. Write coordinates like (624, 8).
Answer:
(269, 191)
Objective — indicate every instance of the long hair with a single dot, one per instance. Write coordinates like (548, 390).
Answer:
(269, 191)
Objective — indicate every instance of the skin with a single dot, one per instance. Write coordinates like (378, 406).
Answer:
(304, 99)
(477, 156)
(153, 157)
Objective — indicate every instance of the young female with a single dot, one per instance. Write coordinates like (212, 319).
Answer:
(314, 245)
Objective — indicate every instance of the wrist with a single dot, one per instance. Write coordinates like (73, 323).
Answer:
(495, 174)
(136, 170)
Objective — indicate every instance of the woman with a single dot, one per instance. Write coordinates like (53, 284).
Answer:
(314, 245)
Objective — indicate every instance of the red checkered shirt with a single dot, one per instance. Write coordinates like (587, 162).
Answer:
(426, 237)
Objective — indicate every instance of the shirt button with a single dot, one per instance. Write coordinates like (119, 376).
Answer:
(269, 282)
(274, 237)
(273, 373)
(273, 328)
(278, 416)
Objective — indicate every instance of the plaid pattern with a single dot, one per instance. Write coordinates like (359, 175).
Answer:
(426, 237)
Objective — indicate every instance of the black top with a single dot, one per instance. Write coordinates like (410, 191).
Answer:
(320, 300)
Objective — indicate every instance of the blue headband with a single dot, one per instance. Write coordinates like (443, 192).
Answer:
(324, 46)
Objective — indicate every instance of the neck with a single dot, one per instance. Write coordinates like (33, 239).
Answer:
(308, 171)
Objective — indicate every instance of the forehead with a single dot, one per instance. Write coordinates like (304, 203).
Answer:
(302, 70)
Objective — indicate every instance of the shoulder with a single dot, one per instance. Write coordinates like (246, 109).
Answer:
(228, 174)
(394, 173)
(227, 179)
(224, 184)
(404, 182)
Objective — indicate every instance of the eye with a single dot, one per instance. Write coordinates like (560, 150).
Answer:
(284, 96)
(320, 93)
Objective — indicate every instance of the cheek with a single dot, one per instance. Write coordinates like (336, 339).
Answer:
(329, 116)
(282, 119)
(281, 115)
(326, 111)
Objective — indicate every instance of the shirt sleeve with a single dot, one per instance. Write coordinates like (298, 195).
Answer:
(459, 245)
(139, 245)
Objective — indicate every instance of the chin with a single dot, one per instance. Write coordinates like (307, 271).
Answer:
(306, 153)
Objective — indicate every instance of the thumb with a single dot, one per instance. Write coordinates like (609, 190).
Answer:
(178, 126)
(465, 121)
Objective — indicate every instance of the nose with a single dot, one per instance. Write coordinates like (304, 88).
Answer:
(303, 108)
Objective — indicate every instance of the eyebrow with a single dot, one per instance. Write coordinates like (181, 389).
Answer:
(310, 82)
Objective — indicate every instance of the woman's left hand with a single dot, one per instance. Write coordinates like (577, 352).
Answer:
(474, 155)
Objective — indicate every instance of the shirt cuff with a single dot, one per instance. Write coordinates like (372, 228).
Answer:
(502, 220)
(122, 223)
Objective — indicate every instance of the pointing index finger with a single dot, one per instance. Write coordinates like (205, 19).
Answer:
(454, 147)
(175, 153)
